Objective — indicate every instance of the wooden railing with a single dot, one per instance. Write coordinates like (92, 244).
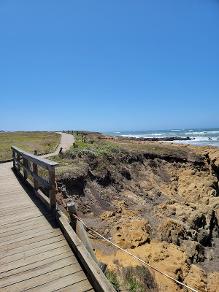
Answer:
(26, 164)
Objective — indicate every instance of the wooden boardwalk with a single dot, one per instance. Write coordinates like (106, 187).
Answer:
(34, 255)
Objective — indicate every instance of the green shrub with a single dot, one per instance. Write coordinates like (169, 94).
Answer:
(111, 276)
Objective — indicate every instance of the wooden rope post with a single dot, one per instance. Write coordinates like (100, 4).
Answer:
(52, 192)
(71, 207)
(35, 171)
(79, 229)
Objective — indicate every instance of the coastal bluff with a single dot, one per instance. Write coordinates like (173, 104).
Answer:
(159, 200)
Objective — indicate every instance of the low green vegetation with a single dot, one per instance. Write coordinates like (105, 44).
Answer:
(90, 144)
(43, 142)
(112, 277)
(135, 279)
(132, 279)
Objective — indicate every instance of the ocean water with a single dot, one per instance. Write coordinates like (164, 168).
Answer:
(202, 137)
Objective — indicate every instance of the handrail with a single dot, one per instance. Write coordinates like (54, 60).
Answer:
(79, 244)
(45, 163)
(29, 163)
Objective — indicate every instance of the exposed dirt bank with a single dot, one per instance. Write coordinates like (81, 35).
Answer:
(159, 200)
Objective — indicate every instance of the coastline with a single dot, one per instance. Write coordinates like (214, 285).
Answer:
(197, 137)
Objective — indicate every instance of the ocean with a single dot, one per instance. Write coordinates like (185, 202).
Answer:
(201, 137)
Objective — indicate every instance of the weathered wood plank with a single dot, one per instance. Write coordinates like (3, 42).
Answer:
(32, 259)
(21, 218)
(61, 263)
(28, 233)
(78, 281)
(43, 279)
(80, 286)
(17, 211)
(25, 225)
(58, 282)
(13, 204)
(30, 252)
(34, 246)
(26, 236)
(25, 216)
(35, 265)
(30, 221)
(39, 238)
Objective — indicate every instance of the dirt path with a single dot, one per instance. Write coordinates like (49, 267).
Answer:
(66, 142)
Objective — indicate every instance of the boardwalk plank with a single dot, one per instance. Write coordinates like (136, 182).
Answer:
(33, 246)
(32, 259)
(22, 228)
(31, 283)
(30, 222)
(61, 263)
(27, 215)
(35, 265)
(27, 235)
(81, 286)
(31, 252)
(28, 242)
(60, 282)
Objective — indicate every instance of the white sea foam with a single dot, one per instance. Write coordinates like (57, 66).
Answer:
(198, 137)
(205, 138)
(131, 135)
(142, 136)
(195, 133)
(213, 132)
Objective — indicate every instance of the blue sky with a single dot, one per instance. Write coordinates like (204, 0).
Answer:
(109, 65)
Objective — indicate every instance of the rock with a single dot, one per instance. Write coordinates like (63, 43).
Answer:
(204, 237)
(132, 233)
(172, 231)
(195, 252)
(196, 279)
(213, 282)
(107, 214)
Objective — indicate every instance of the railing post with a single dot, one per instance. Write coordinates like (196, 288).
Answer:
(18, 160)
(25, 163)
(71, 208)
(52, 191)
(14, 159)
(35, 171)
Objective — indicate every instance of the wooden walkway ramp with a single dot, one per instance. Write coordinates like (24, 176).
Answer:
(34, 254)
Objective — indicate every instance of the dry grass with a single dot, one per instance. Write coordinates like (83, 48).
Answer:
(43, 142)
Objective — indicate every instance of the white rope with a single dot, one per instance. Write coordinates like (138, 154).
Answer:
(135, 257)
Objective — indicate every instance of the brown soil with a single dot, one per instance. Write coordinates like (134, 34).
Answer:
(158, 200)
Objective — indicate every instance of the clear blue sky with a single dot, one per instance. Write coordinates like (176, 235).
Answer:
(109, 64)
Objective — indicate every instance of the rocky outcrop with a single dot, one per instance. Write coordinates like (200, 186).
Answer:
(162, 204)
(131, 233)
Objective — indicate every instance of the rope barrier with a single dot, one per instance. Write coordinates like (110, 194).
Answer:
(134, 256)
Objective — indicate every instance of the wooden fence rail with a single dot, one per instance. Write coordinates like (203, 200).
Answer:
(28, 164)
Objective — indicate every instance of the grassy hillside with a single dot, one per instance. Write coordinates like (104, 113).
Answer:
(43, 142)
